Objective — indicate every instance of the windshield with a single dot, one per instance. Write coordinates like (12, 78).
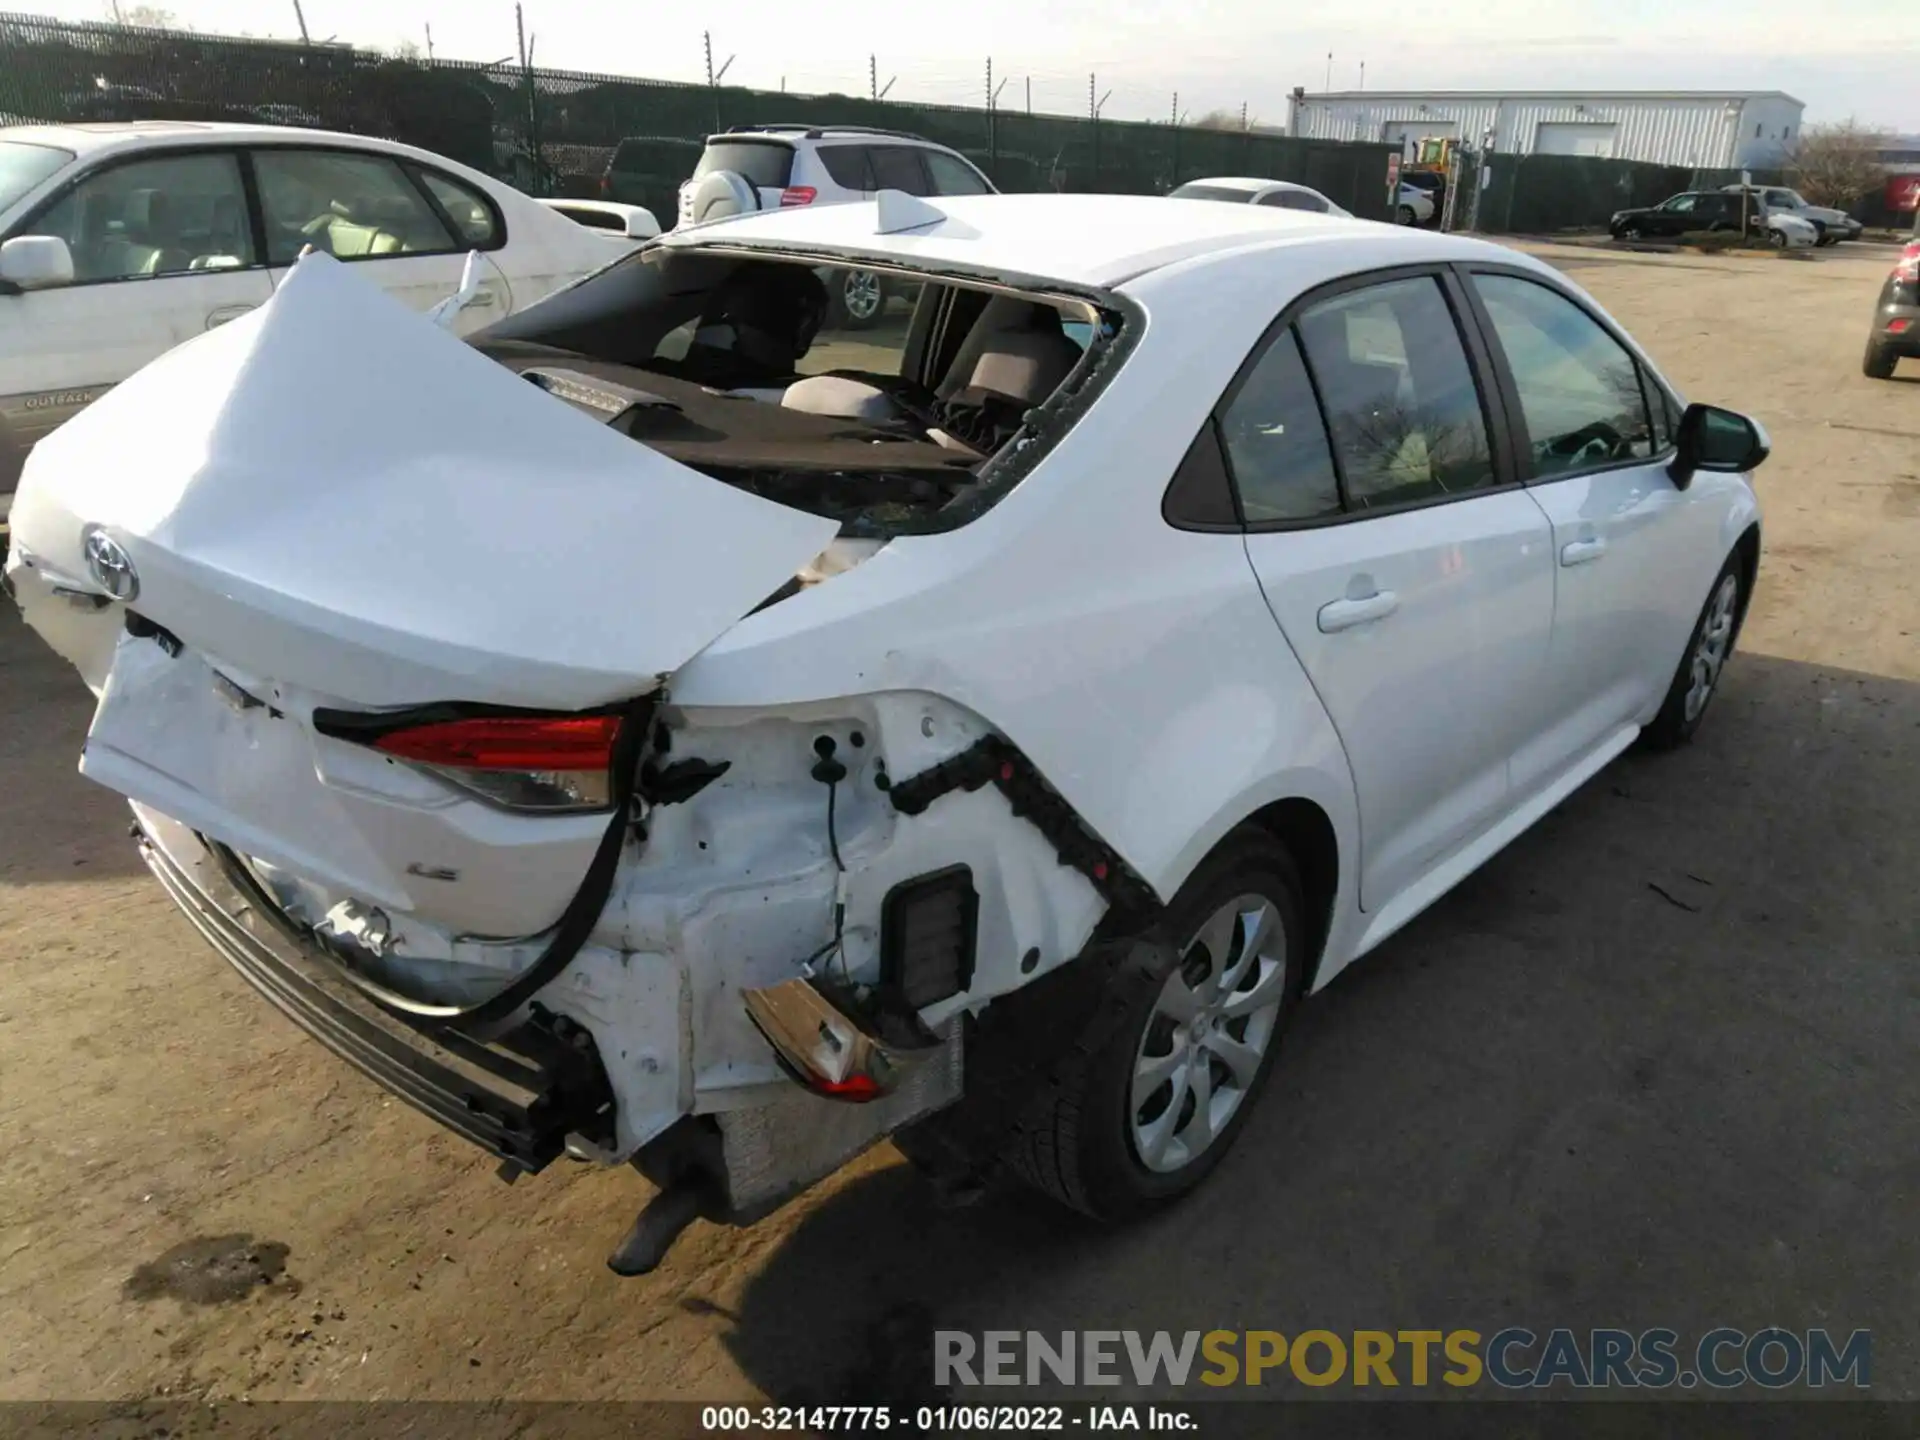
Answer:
(23, 166)
(1210, 192)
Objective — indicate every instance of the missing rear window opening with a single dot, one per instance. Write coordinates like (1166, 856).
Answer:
(888, 402)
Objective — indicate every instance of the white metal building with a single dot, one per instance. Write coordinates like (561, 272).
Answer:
(1708, 130)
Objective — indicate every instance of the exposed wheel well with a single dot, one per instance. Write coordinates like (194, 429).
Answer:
(1303, 827)
(1747, 548)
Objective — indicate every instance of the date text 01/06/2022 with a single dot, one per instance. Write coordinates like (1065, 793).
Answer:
(938, 1419)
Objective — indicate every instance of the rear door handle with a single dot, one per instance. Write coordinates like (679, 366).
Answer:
(1580, 552)
(217, 318)
(1339, 615)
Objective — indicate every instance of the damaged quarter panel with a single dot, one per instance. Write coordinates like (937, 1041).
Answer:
(1138, 667)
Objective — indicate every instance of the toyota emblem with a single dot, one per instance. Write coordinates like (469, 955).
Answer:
(110, 565)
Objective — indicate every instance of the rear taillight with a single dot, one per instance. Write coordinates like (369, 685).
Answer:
(1909, 267)
(797, 195)
(606, 187)
(522, 762)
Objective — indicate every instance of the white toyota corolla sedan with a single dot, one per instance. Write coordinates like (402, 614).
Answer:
(655, 728)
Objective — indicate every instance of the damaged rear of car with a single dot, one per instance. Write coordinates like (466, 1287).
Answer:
(552, 725)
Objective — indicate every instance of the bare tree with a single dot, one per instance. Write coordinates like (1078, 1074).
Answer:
(1836, 164)
(406, 51)
(147, 17)
(1219, 120)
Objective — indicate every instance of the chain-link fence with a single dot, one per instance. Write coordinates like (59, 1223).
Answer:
(553, 132)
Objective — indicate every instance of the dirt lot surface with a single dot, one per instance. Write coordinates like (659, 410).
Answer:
(1560, 1098)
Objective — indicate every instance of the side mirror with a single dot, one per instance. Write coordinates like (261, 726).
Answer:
(1716, 440)
(35, 262)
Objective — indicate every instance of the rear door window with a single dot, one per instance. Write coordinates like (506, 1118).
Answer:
(1276, 443)
(1292, 200)
(352, 206)
(763, 164)
(898, 167)
(469, 211)
(849, 166)
(1399, 395)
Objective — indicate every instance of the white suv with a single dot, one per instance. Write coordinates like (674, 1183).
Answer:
(772, 167)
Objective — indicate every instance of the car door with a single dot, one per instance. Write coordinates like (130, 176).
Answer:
(162, 252)
(1675, 217)
(1407, 570)
(1592, 435)
(368, 210)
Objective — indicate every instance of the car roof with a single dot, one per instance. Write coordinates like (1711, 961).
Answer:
(1098, 241)
(92, 138)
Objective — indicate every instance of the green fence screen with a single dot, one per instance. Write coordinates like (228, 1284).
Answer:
(553, 132)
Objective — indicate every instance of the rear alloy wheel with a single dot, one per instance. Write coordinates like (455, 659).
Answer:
(1147, 1118)
(1405, 216)
(1879, 361)
(861, 299)
(1697, 680)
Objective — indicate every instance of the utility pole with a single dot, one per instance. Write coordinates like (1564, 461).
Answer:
(993, 131)
(298, 14)
(1029, 97)
(1093, 116)
(1329, 70)
(1363, 74)
(118, 18)
(706, 38)
(429, 44)
(533, 108)
(873, 77)
(1244, 125)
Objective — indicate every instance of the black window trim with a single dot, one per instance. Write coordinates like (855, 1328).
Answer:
(121, 160)
(1651, 390)
(1493, 410)
(919, 154)
(406, 165)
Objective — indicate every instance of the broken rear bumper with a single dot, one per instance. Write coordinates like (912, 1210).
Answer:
(517, 1097)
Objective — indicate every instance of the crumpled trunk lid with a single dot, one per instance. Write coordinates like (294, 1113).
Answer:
(333, 505)
(334, 492)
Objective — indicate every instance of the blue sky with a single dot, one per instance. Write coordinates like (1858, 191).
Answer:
(1843, 57)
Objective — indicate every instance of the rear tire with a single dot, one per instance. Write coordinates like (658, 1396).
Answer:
(1631, 233)
(1709, 647)
(1089, 1147)
(1879, 361)
(1405, 216)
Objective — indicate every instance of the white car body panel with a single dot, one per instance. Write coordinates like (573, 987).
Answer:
(487, 543)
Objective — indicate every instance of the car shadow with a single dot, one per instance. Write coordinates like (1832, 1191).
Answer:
(57, 826)
(1650, 1066)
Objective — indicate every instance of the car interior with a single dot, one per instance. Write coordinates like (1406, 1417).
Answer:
(723, 364)
(123, 226)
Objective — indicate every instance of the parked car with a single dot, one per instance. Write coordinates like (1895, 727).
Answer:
(1240, 190)
(1895, 332)
(1711, 211)
(1830, 225)
(119, 241)
(637, 733)
(774, 167)
(1415, 204)
(605, 217)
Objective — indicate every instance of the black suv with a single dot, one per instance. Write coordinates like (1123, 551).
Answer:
(1689, 214)
(1896, 315)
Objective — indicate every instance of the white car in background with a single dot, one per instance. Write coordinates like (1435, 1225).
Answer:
(1243, 190)
(648, 732)
(796, 166)
(119, 241)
